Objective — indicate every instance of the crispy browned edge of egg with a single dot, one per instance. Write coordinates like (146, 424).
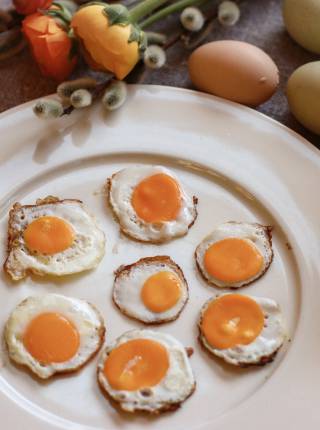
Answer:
(101, 334)
(267, 229)
(128, 234)
(265, 359)
(167, 407)
(13, 234)
(125, 271)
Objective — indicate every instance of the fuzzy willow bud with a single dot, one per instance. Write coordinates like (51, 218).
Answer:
(192, 19)
(65, 89)
(154, 57)
(81, 98)
(228, 13)
(115, 95)
(48, 109)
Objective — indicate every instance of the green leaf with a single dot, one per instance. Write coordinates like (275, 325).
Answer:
(139, 36)
(134, 34)
(68, 4)
(64, 13)
(143, 42)
(117, 14)
(62, 18)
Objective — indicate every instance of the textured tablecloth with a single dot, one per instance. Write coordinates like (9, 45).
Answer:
(261, 24)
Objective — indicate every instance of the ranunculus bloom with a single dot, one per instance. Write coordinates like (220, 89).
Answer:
(50, 45)
(106, 47)
(26, 7)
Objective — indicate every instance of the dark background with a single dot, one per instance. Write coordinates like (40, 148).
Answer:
(260, 23)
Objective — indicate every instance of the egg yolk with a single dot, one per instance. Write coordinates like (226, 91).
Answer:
(233, 260)
(51, 338)
(161, 291)
(48, 235)
(136, 364)
(232, 320)
(157, 198)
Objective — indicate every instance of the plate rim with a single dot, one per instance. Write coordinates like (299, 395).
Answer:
(193, 92)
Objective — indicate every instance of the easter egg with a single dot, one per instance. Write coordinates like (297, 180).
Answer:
(302, 20)
(303, 93)
(234, 70)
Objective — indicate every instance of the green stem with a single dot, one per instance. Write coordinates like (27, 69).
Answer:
(175, 7)
(154, 38)
(144, 8)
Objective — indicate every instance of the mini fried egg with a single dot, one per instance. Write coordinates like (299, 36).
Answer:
(152, 290)
(145, 370)
(52, 237)
(235, 254)
(150, 203)
(53, 334)
(242, 330)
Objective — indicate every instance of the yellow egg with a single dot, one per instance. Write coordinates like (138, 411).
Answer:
(302, 18)
(52, 333)
(303, 92)
(145, 370)
(234, 70)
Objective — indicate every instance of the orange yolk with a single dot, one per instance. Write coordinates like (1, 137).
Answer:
(51, 338)
(136, 364)
(161, 291)
(233, 260)
(157, 198)
(48, 235)
(232, 320)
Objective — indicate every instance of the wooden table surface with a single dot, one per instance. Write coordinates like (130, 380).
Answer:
(261, 24)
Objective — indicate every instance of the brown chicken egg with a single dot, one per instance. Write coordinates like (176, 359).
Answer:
(234, 70)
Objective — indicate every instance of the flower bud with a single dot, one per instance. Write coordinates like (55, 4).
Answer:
(81, 98)
(115, 95)
(48, 109)
(109, 40)
(65, 89)
(27, 7)
(50, 44)
(192, 19)
(228, 13)
(154, 57)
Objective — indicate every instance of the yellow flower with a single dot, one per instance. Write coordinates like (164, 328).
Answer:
(107, 45)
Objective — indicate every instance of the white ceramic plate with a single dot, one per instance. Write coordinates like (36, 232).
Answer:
(242, 166)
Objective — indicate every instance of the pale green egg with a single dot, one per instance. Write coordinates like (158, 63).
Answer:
(302, 20)
(303, 93)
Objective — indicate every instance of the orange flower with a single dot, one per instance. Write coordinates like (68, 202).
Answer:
(107, 46)
(50, 45)
(26, 7)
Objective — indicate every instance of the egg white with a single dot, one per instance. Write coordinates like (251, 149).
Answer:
(176, 386)
(85, 317)
(85, 253)
(258, 235)
(129, 282)
(264, 347)
(121, 187)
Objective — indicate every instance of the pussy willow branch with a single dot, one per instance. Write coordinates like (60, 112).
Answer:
(189, 39)
(145, 8)
(172, 8)
(96, 93)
